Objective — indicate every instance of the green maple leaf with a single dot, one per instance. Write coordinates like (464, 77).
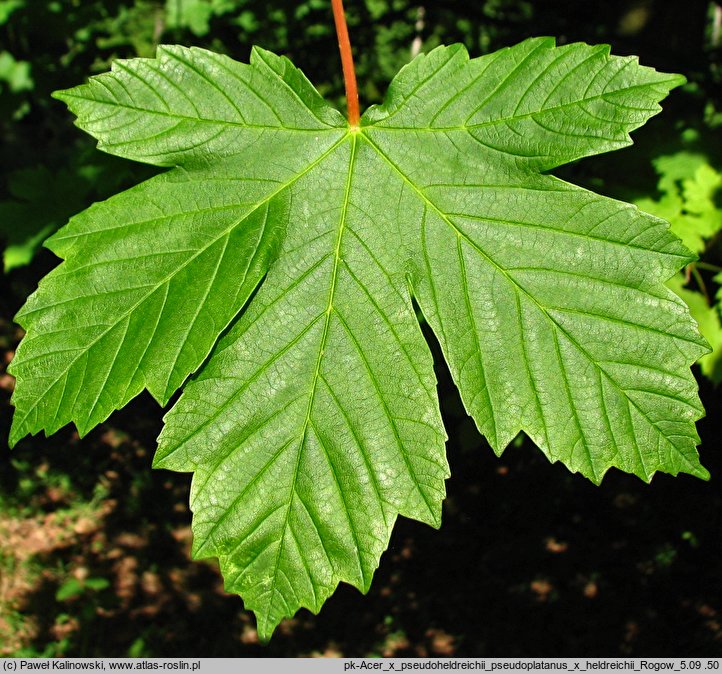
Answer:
(314, 423)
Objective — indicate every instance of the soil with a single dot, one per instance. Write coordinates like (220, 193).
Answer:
(530, 559)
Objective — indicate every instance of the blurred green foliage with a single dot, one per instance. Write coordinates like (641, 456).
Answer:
(690, 190)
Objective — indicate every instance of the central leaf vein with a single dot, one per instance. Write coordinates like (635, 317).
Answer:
(317, 372)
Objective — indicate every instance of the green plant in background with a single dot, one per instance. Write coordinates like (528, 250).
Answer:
(690, 190)
(35, 200)
(196, 15)
(313, 422)
(40, 201)
(74, 588)
(15, 75)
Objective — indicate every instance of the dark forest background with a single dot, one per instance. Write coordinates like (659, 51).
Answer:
(530, 560)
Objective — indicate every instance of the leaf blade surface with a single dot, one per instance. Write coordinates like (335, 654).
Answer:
(354, 446)
(313, 421)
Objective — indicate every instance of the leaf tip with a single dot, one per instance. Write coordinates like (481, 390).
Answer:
(67, 95)
(676, 80)
(701, 472)
(72, 98)
(158, 460)
(434, 520)
(258, 52)
(697, 470)
(548, 41)
(17, 433)
(162, 452)
(595, 476)
(264, 630)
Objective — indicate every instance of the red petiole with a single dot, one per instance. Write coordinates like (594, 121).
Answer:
(349, 72)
